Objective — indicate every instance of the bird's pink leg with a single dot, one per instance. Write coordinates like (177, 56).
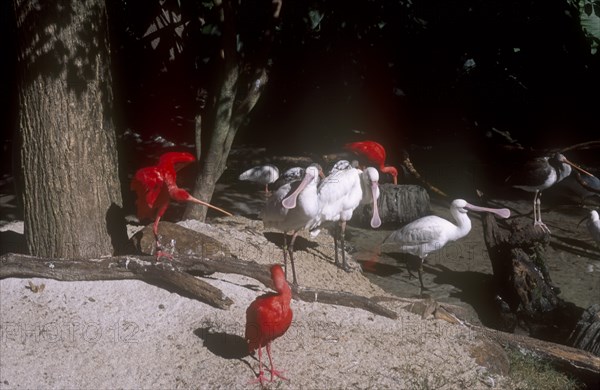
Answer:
(261, 374)
(159, 253)
(274, 372)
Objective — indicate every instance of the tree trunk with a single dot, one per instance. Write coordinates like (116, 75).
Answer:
(240, 88)
(71, 194)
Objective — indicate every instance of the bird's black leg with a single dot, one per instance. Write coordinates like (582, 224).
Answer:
(285, 253)
(335, 245)
(420, 271)
(291, 249)
(342, 234)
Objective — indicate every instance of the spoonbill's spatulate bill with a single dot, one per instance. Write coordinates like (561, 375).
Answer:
(539, 174)
(430, 233)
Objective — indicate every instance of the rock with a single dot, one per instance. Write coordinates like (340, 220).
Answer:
(398, 205)
(491, 355)
(176, 239)
(586, 334)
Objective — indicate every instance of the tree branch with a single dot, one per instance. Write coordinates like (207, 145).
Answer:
(174, 275)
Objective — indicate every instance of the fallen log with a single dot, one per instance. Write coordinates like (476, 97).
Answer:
(113, 268)
(175, 274)
(581, 364)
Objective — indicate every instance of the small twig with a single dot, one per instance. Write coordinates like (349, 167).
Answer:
(408, 164)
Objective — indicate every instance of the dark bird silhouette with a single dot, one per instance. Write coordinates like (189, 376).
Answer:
(267, 318)
(374, 153)
(156, 186)
(539, 174)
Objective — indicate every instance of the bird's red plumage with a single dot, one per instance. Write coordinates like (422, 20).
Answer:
(151, 184)
(374, 153)
(269, 316)
(371, 150)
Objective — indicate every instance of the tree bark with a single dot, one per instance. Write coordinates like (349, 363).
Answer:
(240, 88)
(71, 194)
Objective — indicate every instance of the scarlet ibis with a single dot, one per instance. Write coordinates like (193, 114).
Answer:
(539, 174)
(339, 194)
(267, 318)
(430, 233)
(264, 174)
(155, 186)
(373, 152)
(292, 206)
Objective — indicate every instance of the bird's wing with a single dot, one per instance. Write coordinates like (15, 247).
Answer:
(266, 319)
(533, 172)
(421, 231)
(147, 183)
(274, 211)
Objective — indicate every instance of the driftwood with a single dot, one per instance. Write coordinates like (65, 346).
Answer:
(525, 293)
(586, 334)
(113, 268)
(175, 275)
(584, 365)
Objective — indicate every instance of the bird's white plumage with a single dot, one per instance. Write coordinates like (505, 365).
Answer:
(264, 174)
(593, 225)
(423, 236)
(339, 194)
(276, 216)
(431, 233)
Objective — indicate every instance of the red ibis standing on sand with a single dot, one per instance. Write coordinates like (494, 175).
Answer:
(264, 174)
(538, 174)
(430, 233)
(155, 187)
(375, 154)
(339, 194)
(267, 318)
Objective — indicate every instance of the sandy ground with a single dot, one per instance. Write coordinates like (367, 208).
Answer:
(131, 335)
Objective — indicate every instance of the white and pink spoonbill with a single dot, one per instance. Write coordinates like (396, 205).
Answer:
(264, 174)
(430, 233)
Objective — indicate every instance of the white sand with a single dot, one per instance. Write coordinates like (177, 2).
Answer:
(132, 335)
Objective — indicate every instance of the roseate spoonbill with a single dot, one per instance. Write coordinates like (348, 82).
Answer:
(268, 317)
(430, 233)
(339, 194)
(264, 174)
(292, 207)
(155, 186)
(538, 174)
(373, 152)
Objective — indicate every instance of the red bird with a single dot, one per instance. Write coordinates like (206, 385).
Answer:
(375, 154)
(155, 187)
(267, 318)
